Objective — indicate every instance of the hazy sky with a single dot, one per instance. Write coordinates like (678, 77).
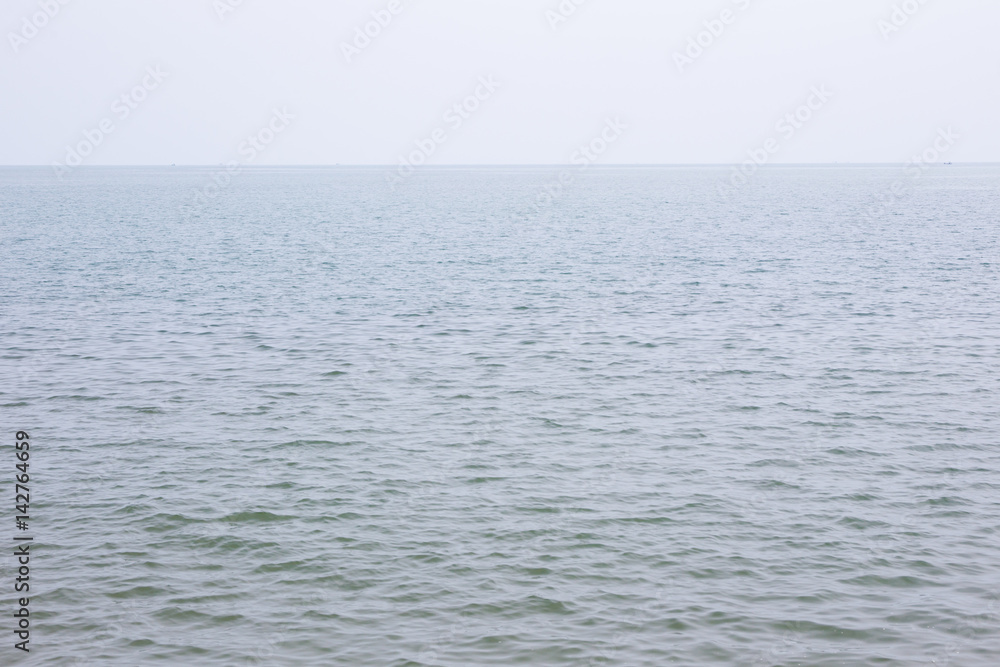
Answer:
(202, 76)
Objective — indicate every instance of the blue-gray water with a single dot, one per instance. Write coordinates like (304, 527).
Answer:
(314, 421)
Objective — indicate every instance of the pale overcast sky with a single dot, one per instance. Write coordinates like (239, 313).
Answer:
(891, 75)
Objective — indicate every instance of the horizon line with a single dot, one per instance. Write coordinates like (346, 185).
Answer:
(497, 164)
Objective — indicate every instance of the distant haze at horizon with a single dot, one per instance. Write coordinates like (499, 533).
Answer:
(517, 82)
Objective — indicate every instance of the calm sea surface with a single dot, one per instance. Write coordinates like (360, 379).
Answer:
(310, 420)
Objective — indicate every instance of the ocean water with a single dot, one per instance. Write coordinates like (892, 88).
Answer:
(639, 420)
